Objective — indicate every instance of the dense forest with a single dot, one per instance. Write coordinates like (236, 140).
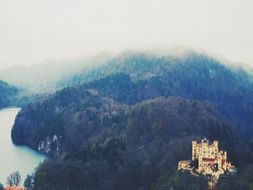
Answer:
(138, 148)
(134, 148)
(194, 75)
(125, 124)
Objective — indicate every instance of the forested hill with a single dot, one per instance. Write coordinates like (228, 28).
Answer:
(136, 77)
(7, 94)
(103, 145)
(129, 120)
(66, 122)
(197, 77)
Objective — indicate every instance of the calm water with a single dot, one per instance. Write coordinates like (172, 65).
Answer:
(14, 158)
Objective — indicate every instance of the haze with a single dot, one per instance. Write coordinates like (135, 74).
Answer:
(33, 31)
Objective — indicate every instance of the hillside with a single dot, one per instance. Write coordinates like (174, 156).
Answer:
(68, 119)
(198, 78)
(137, 77)
(7, 94)
(127, 123)
(132, 147)
(128, 147)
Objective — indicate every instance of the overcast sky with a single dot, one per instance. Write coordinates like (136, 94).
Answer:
(32, 31)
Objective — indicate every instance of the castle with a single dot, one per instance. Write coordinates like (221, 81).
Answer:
(208, 160)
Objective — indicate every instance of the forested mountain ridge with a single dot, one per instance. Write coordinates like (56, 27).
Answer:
(141, 66)
(192, 76)
(7, 94)
(198, 78)
(122, 120)
(66, 121)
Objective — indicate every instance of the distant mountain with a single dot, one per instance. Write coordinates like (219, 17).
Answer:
(44, 77)
(7, 94)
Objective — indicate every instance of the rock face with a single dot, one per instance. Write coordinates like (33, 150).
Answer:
(49, 145)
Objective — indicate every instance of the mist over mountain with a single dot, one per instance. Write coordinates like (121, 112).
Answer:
(8, 94)
(43, 77)
(52, 74)
(144, 65)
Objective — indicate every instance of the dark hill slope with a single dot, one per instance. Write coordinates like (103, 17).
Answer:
(7, 94)
(65, 121)
(134, 149)
(233, 97)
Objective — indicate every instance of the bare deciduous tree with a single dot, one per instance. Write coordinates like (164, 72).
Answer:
(13, 179)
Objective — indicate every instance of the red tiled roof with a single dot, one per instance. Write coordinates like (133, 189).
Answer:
(208, 159)
(13, 188)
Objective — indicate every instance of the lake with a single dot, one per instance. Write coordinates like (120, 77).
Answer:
(14, 158)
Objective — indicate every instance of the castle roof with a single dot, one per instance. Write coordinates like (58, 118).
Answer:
(208, 159)
(14, 187)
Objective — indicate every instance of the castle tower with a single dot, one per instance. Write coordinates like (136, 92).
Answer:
(194, 150)
(225, 155)
(216, 146)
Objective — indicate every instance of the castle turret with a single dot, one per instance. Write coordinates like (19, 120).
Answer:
(225, 155)
(194, 150)
(216, 143)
